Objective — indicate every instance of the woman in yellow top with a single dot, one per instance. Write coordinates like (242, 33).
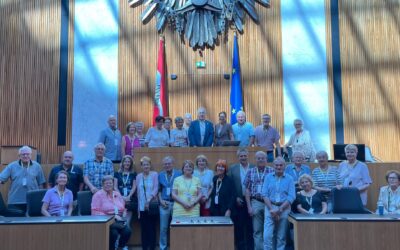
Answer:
(186, 192)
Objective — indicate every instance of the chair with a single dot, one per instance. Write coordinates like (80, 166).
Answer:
(347, 201)
(84, 202)
(7, 212)
(34, 202)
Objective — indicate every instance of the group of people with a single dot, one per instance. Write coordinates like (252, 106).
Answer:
(203, 133)
(257, 197)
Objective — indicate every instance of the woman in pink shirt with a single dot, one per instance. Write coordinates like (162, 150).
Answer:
(109, 202)
(129, 141)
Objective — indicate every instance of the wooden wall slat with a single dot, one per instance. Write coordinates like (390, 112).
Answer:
(370, 42)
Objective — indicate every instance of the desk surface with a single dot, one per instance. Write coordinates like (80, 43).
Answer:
(344, 217)
(54, 219)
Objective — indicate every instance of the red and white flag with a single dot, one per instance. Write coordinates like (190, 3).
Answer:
(160, 94)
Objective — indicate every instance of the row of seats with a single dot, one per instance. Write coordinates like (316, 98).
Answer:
(345, 200)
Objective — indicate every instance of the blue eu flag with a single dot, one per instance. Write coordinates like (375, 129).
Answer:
(236, 86)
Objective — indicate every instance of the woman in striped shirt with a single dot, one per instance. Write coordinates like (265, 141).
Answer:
(325, 177)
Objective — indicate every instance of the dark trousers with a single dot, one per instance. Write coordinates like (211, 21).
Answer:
(243, 229)
(124, 233)
(148, 230)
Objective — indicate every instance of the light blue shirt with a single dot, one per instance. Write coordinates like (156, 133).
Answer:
(291, 170)
(165, 182)
(112, 140)
(243, 133)
(279, 189)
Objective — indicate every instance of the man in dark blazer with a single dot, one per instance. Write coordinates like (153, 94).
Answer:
(201, 131)
(242, 220)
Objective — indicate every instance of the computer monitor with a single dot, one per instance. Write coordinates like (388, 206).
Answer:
(340, 155)
(230, 143)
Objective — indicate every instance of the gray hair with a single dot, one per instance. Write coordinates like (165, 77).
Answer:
(100, 145)
(241, 112)
(297, 153)
(279, 159)
(351, 147)
(26, 149)
(242, 150)
(321, 153)
(168, 158)
(260, 153)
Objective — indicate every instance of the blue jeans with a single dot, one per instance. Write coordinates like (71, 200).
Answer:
(165, 216)
(275, 232)
(270, 156)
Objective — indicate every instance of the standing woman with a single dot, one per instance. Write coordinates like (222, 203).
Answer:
(139, 133)
(223, 194)
(355, 173)
(147, 186)
(130, 140)
(125, 183)
(58, 201)
(186, 192)
(301, 141)
(326, 178)
(206, 179)
(223, 130)
(157, 136)
(309, 200)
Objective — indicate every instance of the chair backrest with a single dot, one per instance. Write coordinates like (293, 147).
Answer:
(347, 201)
(84, 202)
(34, 202)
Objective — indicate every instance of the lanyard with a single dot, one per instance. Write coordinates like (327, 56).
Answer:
(125, 180)
(27, 168)
(218, 186)
(388, 205)
(296, 174)
(309, 200)
(61, 196)
(262, 176)
(170, 179)
(188, 186)
(277, 185)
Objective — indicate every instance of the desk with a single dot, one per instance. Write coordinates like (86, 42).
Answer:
(61, 233)
(199, 233)
(346, 231)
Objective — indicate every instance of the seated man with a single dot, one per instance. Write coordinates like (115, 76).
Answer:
(25, 175)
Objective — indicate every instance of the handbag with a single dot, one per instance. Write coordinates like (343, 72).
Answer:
(118, 225)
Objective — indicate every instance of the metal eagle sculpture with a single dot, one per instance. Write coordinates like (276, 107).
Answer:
(199, 21)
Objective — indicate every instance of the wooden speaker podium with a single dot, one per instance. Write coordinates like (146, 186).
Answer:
(198, 233)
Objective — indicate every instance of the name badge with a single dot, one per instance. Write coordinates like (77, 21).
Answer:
(188, 196)
(277, 198)
(168, 191)
(24, 181)
(115, 210)
(311, 210)
(62, 212)
(216, 200)
(125, 191)
(116, 142)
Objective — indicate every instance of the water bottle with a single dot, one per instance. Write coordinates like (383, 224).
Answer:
(380, 207)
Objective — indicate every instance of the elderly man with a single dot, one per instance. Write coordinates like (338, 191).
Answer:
(298, 168)
(266, 136)
(95, 169)
(242, 220)
(75, 174)
(111, 138)
(278, 193)
(255, 204)
(201, 131)
(25, 175)
(187, 121)
(179, 135)
(243, 131)
(166, 181)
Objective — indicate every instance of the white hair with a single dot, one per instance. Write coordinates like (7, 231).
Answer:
(25, 149)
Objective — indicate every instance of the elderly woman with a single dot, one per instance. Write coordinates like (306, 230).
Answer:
(309, 200)
(222, 130)
(390, 195)
(58, 201)
(297, 169)
(125, 183)
(325, 178)
(301, 141)
(147, 187)
(355, 173)
(206, 179)
(139, 133)
(186, 192)
(157, 136)
(129, 141)
(223, 193)
(109, 202)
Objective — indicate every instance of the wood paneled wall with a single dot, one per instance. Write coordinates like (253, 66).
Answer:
(29, 71)
(261, 66)
(370, 45)
(29, 61)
